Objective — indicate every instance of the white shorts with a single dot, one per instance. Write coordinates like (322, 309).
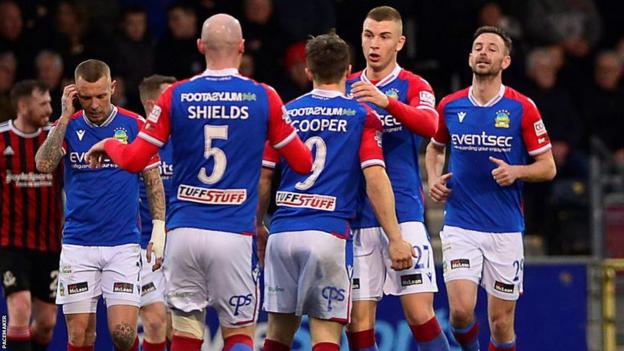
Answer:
(152, 282)
(308, 272)
(496, 260)
(86, 272)
(373, 276)
(206, 267)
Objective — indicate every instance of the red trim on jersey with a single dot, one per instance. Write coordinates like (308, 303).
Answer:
(296, 153)
(442, 134)
(534, 132)
(158, 124)
(133, 157)
(418, 115)
(370, 145)
(270, 156)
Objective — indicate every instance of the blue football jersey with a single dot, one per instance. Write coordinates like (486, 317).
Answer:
(102, 207)
(166, 174)
(344, 136)
(508, 128)
(217, 124)
(400, 146)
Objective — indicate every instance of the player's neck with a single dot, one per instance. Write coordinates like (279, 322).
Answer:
(339, 87)
(484, 89)
(377, 75)
(23, 126)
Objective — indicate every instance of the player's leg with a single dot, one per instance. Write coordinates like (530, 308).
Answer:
(325, 334)
(154, 318)
(79, 288)
(416, 287)
(186, 288)
(15, 270)
(44, 310)
(502, 279)
(501, 318)
(463, 263)
(43, 323)
(80, 325)
(233, 287)
(121, 291)
(153, 312)
(324, 290)
(122, 324)
(281, 275)
(368, 278)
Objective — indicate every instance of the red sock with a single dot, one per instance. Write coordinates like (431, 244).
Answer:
(326, 346)
(272, 345)
(182, 343)
(18, 333)
(361, 340)
(426, 331)
(230, 341)
(148, 346)
(71, 347)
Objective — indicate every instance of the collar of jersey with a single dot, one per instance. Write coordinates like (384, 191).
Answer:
(108, 121)
(492, 102)
(22, 134)
(327, 93)
(386, 80)
(220, 72)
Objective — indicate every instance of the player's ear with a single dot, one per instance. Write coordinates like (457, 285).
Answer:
(309, 74)
(113, 86)
(241, 47)
(349, 70)
(201, 46)
(400, 43)
(506, 61)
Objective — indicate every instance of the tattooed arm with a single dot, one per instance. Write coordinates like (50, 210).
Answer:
(50, 153)
(155, 192)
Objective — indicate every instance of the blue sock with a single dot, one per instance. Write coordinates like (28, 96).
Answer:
(438, 344)
(240, 347)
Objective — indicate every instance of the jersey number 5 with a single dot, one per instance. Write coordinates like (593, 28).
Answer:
(319, 162)
(220, 160)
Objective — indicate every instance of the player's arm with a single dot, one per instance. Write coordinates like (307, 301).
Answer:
(51, 152)
(538, 145)
(435, 157)
(380, 193)
(419, 115)
(269, 161)
(283, 137)
(155, 192)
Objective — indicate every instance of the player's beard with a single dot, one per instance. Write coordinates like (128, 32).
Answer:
(492, 70)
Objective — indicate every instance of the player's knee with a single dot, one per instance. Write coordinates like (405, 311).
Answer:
(419, 314)
(123, 335)
(502, 325)
(461, 316)
(80, 337)
(43, 326)
(154, 325)
(19, 309)
(189, 323)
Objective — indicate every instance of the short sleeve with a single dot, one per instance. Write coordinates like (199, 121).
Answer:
(371, 152)
(534, 131)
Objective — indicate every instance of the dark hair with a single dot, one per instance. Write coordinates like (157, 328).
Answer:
(495, 30)
(384, 13)
(92, 70)
(132, 10)
(25, 88)
(150, 86)
(327, 56)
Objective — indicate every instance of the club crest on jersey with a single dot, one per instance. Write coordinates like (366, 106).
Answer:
(121, 134)
(392, 93)
(502, 119)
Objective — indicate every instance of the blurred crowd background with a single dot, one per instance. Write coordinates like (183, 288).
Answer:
(568, 57)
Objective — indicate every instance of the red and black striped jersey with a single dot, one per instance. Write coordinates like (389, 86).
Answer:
(30, 202)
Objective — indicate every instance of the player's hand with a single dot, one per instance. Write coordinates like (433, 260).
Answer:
(438, 191)
(67, 101)
(367, 92)
(504, 174)
(96, 154)
(401, 253)
(157, 243)
(262, 235)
